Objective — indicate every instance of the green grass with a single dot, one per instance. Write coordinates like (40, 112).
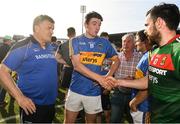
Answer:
(10, 114)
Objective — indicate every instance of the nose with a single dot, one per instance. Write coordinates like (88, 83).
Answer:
(145, 32)
(98, 28)
(52, 31)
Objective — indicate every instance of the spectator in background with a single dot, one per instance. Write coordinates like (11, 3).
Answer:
(67, 68)
(121, 96)
(53, 39)
(54, 44)
(106, 35)
(35, 62)
(7, 41)
(139, 104)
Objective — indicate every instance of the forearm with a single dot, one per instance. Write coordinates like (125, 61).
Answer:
(141, 96)
(86, 72)
(8, 83)
(141, 83)
(114, 67)
(60, 59)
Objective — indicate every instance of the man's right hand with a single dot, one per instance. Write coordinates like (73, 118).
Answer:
(26, 104)
(107, 82)
(133, 105)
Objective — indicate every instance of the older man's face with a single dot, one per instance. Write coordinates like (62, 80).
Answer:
(128, 44)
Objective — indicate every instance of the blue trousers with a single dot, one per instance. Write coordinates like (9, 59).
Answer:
(120, 107)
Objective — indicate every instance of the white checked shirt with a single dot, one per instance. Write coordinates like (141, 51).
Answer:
(127, 68)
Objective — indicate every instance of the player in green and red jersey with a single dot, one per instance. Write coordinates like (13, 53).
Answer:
(163, 82)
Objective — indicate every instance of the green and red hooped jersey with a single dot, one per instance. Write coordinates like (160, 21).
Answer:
(164, 82)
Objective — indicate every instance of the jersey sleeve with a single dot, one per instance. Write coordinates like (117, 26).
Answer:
(143, 64)
(74, 47)
(177, 61)
(14, 58)
(111, 51)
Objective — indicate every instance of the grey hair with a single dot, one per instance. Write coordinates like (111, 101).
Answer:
(40, 19)
(130, 35)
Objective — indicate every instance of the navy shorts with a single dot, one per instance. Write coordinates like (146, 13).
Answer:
(106, 104)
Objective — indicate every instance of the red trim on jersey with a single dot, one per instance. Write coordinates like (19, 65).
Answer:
(171, 40)
(163, 61)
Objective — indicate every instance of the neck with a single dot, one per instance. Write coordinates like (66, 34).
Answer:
(128, 54)
(144, 50)
(166, 36)
(89, 36)
(40, 40)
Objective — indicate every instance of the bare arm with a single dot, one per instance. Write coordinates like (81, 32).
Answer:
(114, 66)
(59, 58)
(139, 98)
(78, 66)
(8, 83)
(141, 83)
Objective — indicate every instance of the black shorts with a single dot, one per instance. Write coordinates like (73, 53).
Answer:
(66, 76)
(106, 104)
(43, 114)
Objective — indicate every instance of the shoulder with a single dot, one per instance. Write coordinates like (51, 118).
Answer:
(137, 54)
(104, 40)
(77, 38)
(176, 45)
(65, 43)
(79, 41)
(144, 58)
(21, 43)
(178, 39)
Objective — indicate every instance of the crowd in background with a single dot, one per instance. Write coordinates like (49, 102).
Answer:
(99, 77)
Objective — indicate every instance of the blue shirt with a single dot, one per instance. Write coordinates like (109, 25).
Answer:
(141, 71)
(36, 68)
(92, 54)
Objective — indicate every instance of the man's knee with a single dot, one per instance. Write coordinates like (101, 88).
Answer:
(69, 116)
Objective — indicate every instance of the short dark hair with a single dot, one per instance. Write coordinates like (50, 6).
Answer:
(53, 39)
(40, 19)
(104, 34)
(168, 12)
(92, 14)
(71, 31)
(142, 36)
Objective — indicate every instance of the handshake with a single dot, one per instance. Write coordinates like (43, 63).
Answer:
(109, 82)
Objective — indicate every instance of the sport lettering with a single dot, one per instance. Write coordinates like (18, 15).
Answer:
(157, 71)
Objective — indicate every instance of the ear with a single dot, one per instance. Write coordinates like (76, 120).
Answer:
(85, 25)
(36, 28)
(159, 23)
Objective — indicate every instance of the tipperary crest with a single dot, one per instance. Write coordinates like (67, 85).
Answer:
(91, 44)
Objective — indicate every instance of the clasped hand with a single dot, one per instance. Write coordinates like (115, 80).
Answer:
(109, 82)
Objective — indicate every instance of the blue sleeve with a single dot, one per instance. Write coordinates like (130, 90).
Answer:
(75, 46)
(14, 58)
(143, 64)
(111, 51)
